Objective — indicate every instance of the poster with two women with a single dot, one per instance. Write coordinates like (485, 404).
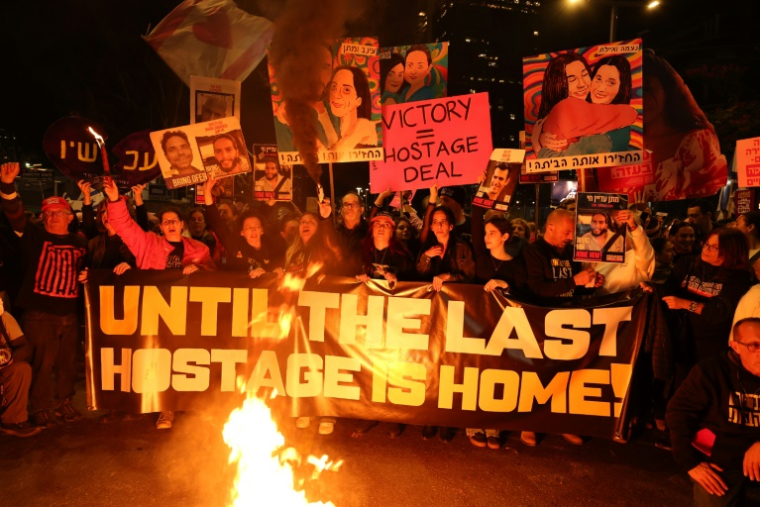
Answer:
(584, 107)
(594, 110)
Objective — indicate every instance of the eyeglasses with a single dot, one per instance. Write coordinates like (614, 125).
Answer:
(170, 222)
(383, 225)
(55, 213)
(752, 346)
(711, 248)
(351, 205)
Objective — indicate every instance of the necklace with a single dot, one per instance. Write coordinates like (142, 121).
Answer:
(495, 267)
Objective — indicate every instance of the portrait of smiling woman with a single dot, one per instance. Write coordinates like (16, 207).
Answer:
(598, 121)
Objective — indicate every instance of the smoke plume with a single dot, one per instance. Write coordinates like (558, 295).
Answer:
(301, 32)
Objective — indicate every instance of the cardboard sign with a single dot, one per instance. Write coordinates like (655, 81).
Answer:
(212, 99)
(346, 119)
(71, 147)
(446, 140)
(273, 181)
(748, 162)
(187, 155)
(744, 200)
(598, 235)
(137, 161)
(583, 107)
(500, 182)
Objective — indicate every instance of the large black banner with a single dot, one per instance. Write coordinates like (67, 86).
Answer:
(462, 357)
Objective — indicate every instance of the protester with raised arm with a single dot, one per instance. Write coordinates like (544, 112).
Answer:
(151, 251)
(48, 295)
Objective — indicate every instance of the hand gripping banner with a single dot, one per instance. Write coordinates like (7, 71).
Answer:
(460, 358)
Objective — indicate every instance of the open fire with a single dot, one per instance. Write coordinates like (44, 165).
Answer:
(265, 465)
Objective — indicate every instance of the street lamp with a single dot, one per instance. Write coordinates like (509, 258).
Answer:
(614, 4)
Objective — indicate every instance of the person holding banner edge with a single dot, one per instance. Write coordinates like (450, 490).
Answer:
(444, 258)
(552, 273)
(385, 257)
(497, 270)
(151, 251)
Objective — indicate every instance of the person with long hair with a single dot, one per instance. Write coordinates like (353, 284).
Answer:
(351, 102)
(392, 82)
(702, 293)
(246, 247)
(314, 252)
(170, 251)
(444, 258)
(407, 235)
(384, 258)
(685, 148)
(560, 118)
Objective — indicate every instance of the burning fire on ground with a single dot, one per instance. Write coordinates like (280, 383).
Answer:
(265, 465)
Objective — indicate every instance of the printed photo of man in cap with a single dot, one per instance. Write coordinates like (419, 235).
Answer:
(213, 107)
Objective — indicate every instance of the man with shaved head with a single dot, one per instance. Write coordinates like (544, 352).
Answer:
(551, 270)
(552, 273)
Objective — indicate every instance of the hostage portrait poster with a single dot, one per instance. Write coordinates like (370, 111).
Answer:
(599, 236)
(413, 72)
(583, 107)
(212, 99)
(188, 155)
(347, 115)
(500, 180)
(273, 181)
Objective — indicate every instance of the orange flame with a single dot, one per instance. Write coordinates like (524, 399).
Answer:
(264, 464)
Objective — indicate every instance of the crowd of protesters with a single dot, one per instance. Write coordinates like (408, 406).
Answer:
(693, 378)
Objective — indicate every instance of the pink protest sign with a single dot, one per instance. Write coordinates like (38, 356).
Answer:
(446, 140)
(748, 162)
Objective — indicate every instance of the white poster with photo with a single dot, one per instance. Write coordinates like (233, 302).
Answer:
(273, 181)
(599, 236)
(500, 180)
(213, 99)
(188, 154)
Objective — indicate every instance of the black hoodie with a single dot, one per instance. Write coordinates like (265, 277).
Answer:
(723, 397)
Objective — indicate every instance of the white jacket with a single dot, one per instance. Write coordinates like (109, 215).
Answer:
(638, 266)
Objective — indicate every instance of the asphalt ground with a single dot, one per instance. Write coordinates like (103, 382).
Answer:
(130, 463)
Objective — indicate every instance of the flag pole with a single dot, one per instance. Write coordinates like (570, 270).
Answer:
(332, 194)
